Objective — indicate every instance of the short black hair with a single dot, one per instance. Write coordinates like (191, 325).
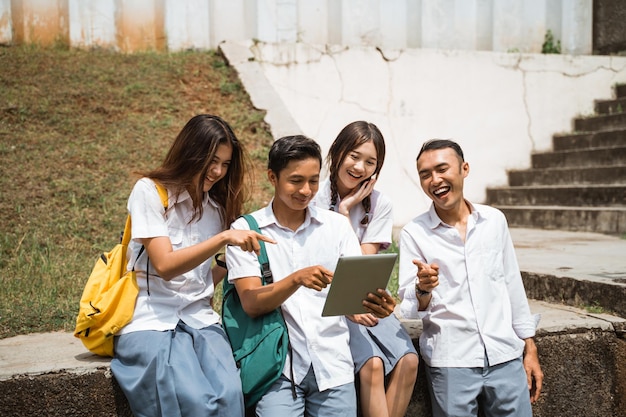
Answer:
(292, 148)
(434, 144)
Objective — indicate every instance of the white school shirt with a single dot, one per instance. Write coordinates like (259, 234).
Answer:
(186, 297)
(480, 305)
(380, 226)
(322, 342)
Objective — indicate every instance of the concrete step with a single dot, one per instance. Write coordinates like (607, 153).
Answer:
(617, 105)
(597, 195)
(608, 220)
(568, 176)
(600, 122)
(572, 141)
(591, 157)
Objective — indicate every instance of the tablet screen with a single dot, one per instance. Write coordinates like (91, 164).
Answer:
(354, 278)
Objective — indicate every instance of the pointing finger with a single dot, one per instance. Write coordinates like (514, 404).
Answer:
(420, 265)
(265, 238)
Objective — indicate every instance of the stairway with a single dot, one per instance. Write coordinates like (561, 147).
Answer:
(581, 184)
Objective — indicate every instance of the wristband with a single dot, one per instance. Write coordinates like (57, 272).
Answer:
(418, 291)
(219, 261)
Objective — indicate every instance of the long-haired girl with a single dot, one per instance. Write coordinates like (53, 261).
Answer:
(173, 358)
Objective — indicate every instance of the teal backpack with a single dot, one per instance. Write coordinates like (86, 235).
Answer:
(260, 345)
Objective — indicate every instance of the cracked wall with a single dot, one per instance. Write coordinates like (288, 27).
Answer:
(500, 107)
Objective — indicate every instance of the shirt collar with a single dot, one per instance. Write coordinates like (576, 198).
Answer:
(476, 213)
(205, 199)
(266, 217)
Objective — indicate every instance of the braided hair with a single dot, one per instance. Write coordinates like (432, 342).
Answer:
(351, 137)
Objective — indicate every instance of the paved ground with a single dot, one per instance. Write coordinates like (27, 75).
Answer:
(584, 256)
(578, 255)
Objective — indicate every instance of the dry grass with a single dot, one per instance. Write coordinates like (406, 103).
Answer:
(74, 125)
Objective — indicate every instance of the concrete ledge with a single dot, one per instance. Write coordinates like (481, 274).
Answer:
(41, 353)
(583, 357)
(63, 393)
(53, 374)
(575, 292)
(574, 268)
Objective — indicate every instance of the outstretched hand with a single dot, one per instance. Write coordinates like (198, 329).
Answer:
(315, 277)
(247, 240)
(427, 275)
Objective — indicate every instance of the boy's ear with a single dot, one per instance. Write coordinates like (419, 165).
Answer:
(465, 169)
(272, 177)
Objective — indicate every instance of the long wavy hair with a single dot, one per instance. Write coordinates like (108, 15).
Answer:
(351, 137)
(191, 154)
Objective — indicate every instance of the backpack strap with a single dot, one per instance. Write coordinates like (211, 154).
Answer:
(266, 272)
(268, 278)
(163, 194)
(165, 202)
(125, 240)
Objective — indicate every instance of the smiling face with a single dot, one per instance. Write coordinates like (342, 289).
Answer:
(218, 167)
(358, 165)
(295, 185)
(441, 173)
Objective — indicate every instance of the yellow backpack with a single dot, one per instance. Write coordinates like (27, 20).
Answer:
(108, 300)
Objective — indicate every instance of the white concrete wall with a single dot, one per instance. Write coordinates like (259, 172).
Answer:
(187, 24)
(490, 25)
(6, 25)
(500, 107)
(92, 23)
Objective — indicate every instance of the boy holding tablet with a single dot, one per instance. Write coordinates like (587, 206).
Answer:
(319, 372)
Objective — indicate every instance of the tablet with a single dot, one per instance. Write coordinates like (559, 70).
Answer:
(354, 278)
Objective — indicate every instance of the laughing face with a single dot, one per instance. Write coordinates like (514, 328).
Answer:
(219, 166)
(358, 165)
(441, 173)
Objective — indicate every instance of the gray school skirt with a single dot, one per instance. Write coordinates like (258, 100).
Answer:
(388, 340)
(180, 372)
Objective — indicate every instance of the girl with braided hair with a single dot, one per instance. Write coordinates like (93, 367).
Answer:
(383, 353)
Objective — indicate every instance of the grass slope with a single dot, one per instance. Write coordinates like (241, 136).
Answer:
(74, 125)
